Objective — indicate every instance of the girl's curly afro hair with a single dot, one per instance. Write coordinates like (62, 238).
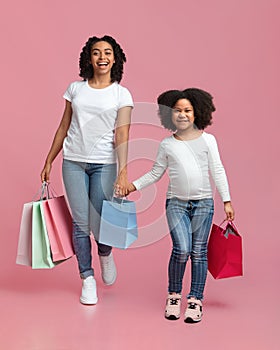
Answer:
(86, 70)
(201, 101)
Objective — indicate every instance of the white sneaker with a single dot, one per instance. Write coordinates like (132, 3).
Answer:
(89, 294)
(108, 269)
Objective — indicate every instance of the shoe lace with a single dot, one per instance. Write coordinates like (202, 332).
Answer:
(174, 301)
(192, 306)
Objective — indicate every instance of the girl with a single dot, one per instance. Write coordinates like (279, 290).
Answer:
(95, 122)
(188, 155)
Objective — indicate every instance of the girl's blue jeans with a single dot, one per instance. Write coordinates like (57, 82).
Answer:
(87, 185)
(189, 224)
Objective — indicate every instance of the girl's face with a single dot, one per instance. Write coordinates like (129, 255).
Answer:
(102, 57)
(183, 115)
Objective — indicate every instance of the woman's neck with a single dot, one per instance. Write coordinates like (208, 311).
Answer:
(100, 82)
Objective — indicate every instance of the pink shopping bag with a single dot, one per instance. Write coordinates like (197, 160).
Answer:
(225, 252)
(24, 253)
(59, 227)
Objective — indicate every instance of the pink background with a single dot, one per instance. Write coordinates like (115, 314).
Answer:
(230, 48)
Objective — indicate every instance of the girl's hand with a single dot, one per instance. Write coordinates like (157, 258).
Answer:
(45, 173)
(131, 188)
(229, 211)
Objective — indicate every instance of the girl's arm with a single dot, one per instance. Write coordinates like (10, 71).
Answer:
(219, 176)
(157, 171)
(121, 142)
(57, 141)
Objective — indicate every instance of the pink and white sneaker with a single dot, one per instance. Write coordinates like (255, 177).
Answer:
(193, 313)
(173, 306)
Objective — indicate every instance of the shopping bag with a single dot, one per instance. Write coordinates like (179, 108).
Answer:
(118, 226)
(41, 219)
(24, 250)
(41, 251)
(24, 254)
(59, 227)
(225, 251)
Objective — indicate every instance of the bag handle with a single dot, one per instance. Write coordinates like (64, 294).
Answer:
(114, 199)
(234, 227)
(51, 191)
(46, 191)
(231, 223)
(228, 221)
(41, 192)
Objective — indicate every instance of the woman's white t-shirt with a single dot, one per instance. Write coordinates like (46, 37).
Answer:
(90, 137)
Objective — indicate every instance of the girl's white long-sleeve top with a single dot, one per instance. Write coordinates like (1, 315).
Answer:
(189, 164)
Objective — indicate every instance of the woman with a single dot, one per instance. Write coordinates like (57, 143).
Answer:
(93, 133)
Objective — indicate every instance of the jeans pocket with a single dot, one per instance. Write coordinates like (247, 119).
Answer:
(206, 206)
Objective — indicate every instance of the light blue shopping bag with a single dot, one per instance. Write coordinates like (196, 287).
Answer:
(118, 226)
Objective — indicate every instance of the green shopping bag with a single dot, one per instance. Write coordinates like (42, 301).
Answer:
(41, 252)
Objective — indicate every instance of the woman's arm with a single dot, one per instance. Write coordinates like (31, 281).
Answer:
(57, 141)
(121, 142)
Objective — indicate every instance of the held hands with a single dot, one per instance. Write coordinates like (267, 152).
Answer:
(229, 211)
(122, 186)
(121, 192)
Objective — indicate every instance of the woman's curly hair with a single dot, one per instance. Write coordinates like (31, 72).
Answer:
(86, 70)
(201, 101)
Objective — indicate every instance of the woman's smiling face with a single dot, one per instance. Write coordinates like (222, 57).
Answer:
(102, 57)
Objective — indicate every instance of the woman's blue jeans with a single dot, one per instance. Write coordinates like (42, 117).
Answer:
(87, 185)
(189, 224)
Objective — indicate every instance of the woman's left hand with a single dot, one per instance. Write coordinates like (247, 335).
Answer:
(229, 211)
(121, 186)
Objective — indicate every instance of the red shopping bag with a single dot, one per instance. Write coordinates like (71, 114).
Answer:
(59, 227)
(225, 251)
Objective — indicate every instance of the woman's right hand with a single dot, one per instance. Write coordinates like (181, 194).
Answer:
(45, 173)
